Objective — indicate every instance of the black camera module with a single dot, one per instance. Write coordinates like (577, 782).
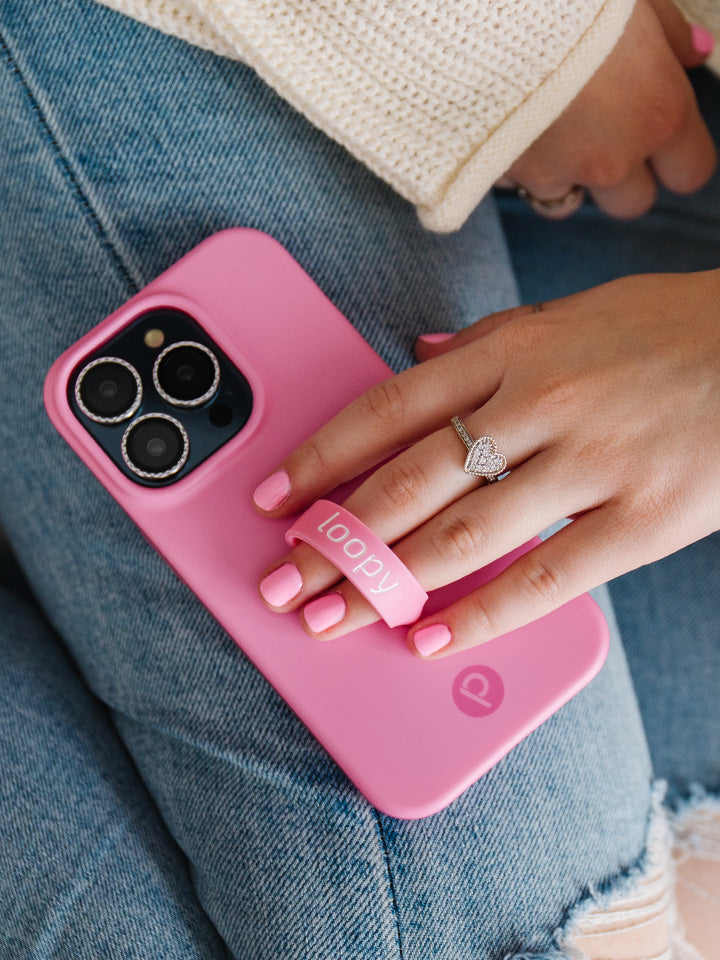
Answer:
(160, 397)
(186, 374)
(155, 446)
(108, 390)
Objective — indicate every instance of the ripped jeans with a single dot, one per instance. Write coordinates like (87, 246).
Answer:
(157, 797)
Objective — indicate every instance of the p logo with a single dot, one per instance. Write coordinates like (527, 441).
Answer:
(478, 691)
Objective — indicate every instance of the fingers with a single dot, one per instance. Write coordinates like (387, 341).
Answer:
(398, 497)
(691, 43)
(686, 161)
(436, 344)
(429, 476)
(581, 556)
(389, 416)
(399, 411)
(469, 534)
(631, 198)
(472, 532)
(492, 521)
(635, 119)
(469, 527)
(505, 183)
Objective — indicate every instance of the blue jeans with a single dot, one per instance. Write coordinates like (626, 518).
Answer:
(158, 798)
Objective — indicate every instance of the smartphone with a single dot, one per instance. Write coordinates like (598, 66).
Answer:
(190, 394)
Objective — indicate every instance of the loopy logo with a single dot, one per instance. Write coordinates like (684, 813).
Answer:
(355, 548)
(478, 691)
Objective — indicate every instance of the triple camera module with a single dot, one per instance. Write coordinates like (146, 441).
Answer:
(160, 397)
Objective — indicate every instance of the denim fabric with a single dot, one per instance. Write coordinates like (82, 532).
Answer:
(120, 149)
(669, 611)
(86, 831)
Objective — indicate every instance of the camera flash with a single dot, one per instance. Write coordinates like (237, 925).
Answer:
(154, 338)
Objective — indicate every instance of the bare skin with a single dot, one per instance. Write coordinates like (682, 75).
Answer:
(634, 124)
(606, 404)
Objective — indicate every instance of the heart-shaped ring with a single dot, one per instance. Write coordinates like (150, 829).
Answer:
(482, 460)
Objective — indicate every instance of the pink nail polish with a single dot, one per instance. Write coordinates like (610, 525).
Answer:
(703, 40)
(272, 491)
(280, 586)
(430, 639)
(436, 337)
(324, 612)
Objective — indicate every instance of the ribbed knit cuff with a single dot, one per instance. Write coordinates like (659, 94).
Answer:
(437, 97)
(480, 168)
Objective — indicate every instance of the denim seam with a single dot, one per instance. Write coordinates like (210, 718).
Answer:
(393, 897)
(80, 883)
(66, 167)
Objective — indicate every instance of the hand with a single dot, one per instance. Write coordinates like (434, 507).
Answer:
(607, 407)
(635, 120)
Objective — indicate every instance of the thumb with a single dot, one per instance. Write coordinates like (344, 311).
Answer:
(691, 43)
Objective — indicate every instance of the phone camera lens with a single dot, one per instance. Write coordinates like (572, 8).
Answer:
(186, 374)
(155, 446)
(108, 390)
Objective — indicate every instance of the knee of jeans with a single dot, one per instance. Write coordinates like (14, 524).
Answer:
(667, 907)
(637, 921)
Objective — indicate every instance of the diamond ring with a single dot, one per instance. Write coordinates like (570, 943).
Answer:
(482, 460)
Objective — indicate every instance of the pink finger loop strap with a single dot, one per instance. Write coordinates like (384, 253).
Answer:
(367, 562)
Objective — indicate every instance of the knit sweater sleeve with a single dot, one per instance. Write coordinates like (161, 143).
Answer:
(437, 97)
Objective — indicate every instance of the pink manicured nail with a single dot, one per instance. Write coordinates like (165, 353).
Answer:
(271, 492)
(431, 639)
(703, 40)
(281, 585)
(436, 337)
(324, 612)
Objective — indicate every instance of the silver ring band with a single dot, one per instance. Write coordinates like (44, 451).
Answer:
(553, 204)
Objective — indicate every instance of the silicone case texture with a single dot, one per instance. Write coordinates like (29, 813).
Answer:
(411, 735)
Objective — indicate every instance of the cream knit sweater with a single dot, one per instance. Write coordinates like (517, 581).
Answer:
(437, 97)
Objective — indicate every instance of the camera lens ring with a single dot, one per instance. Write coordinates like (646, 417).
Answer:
(162, 474)
(196, 401)
(121, 416)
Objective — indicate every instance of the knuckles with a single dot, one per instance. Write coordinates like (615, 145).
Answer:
(542, 180)
(654, 504)
(478, 620)
(669, 114)
(402, 484)
(462, 542)
(314, 461)
(557, 393)
(385, 402)
(538, 583)
(605, 170)
(606, 164)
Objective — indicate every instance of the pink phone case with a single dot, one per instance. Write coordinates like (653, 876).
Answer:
(411, 735)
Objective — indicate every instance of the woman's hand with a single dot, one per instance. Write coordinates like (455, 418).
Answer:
(607, 406)
(635, 123)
